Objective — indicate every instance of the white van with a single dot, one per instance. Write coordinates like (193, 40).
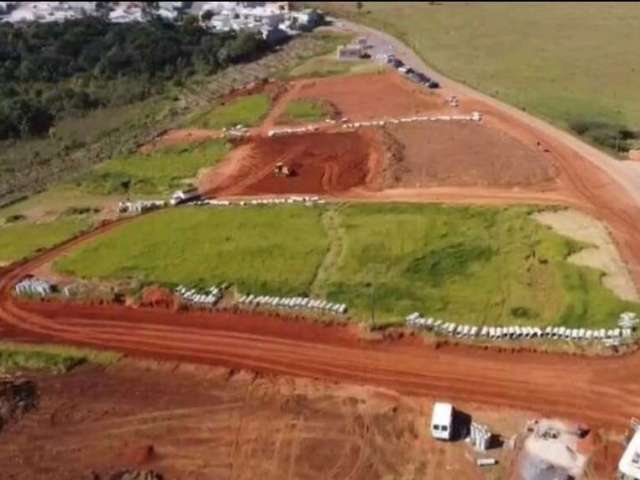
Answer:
(442, 421)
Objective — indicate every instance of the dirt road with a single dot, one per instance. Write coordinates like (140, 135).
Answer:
(601, 391)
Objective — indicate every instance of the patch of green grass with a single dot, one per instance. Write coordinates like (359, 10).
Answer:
(468, 264)
(328, 66)
(16, 356)
(248, 111)
(261, 250)
(560, 61)
(157, 173)
(21, 240)
(305, 111)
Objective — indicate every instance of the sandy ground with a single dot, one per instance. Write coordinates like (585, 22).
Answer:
(602, 256)
(190, 422)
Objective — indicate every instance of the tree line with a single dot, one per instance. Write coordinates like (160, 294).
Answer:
(48, 70)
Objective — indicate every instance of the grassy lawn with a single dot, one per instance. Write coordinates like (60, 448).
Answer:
(305, 111)
(157, 173)
(562, 61)
(22, 239)
(248, 111)
(475, 265)
(16, 356)
(327, 66)
(261, 250)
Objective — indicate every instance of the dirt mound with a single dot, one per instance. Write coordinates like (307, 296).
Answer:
(321, 163)
(159, 297)
(466, 154)
(378, 95)
(139, 455)
(17, 397)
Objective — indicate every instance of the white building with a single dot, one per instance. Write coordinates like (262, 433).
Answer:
(629, 465)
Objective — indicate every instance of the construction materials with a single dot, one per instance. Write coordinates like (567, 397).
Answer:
(208, 298)
(34, 287)
(296, 303)
(486, 462)
(608, 337)
(479, 437)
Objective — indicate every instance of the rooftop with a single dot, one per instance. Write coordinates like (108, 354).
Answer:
(630, 461)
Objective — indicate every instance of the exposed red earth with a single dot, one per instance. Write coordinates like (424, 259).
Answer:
(601, 391)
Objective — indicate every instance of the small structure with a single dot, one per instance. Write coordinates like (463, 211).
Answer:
(629, 465)
(349, 52)
(442, 421)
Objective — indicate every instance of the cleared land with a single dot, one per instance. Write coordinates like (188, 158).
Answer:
(247, 111)
(476, 265)
(573, 66)
(321, 163)
(21, 240)
(201, 422)
(466, 154)
(158, 172)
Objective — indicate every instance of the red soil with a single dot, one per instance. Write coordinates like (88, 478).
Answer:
(365, 97)
(322, 163)
(466, 154)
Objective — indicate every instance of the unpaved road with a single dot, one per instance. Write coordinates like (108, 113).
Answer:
(601, 391)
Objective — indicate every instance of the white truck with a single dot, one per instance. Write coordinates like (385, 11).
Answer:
(442, 421)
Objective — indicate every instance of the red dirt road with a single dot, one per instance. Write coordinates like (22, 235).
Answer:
(602, 391)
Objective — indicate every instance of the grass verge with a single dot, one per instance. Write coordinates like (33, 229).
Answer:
(249, 111)
(18, 356)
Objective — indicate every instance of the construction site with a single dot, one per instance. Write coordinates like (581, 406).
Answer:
(251, 385)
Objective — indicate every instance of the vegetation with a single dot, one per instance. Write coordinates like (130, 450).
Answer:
(305, 111)
(21, 240)
(476, 265)
(16, 356)
(161, 171)
(565, 64)
(328, 65)
(247, 110)
(259, 250)
(55, 69)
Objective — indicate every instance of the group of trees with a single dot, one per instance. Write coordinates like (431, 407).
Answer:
(48, 69)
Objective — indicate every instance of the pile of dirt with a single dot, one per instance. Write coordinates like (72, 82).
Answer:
(467, 154)
(17, 397)
(158, 297)
(321, 163)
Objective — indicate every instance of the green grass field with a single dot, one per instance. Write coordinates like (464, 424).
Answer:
(157, 173)
(259, 250)
(23, 239)
(328, 66)
(18, 357)
(305, 111)
(249, 111)
(566, 62)
(475, 265)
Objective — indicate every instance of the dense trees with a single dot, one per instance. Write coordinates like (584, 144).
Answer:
(52, 69)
